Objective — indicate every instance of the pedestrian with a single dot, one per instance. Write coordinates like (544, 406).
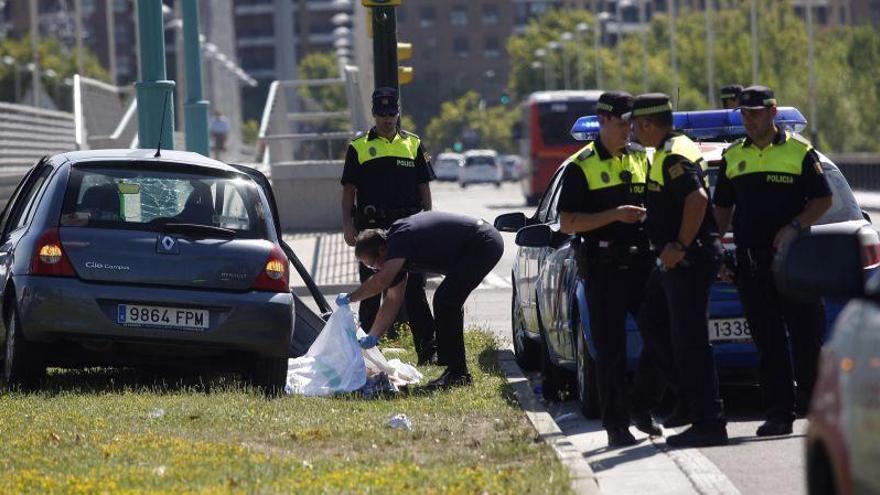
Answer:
(771, 184)
(219, 133)
(730, 96)
(385, 178)
(673, 319)
(602, 204)
(462, 248)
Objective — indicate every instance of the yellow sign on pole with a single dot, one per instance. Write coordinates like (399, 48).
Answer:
(404, 75)
(380, 3)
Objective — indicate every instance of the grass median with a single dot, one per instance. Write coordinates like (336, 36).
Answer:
(120, 431)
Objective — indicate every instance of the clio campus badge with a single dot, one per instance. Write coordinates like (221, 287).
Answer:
(167, 244)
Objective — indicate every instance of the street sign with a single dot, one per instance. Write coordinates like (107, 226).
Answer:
(380, 3)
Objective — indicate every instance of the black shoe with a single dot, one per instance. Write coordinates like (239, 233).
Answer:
(699, 436)
(646, 424)
(619, 436)
(449, 379)
(680, 417)
(773, 427)
(429, 359)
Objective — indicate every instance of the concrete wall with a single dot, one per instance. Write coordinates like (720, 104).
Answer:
(308, 195)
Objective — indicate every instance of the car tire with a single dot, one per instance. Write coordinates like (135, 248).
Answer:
(587, 387)
(527, 353)
(269, 375)
(24, 365)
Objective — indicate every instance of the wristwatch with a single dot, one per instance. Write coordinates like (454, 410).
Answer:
(796, 225)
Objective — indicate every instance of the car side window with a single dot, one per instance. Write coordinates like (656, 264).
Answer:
(15, 215)
(547, 201)
(553, 212)
(25, 213)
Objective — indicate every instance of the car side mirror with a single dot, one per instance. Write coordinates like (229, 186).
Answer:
(510, 222)
(535, 236)
(823, 264)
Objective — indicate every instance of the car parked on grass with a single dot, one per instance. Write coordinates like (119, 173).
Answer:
(480, 167)
(120, 258)
(843, 433)
(447, 166)
(550, 320)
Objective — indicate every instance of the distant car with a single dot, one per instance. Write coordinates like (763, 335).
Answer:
(550, 319)
(117, 258)
(480, 167)
(843, 433)
(447, 165)
(512, 167)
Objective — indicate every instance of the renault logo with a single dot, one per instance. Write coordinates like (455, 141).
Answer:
(168, 242)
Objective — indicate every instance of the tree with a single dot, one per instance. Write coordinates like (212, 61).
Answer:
(459, 117)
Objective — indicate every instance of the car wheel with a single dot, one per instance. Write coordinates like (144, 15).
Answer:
(587, 387)
(269, 375)
(23, 362)
(524, 348)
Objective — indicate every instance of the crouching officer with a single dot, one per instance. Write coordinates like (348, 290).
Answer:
(386, 178)
(772, 185)
(673, 319)
(602, 202)
(462, 248)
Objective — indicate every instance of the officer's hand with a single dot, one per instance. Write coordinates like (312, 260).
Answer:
(629, 213)
(368, 342)
(725, 273)
(671, 256)
(343, 299)
(784, 236)
(350, 234)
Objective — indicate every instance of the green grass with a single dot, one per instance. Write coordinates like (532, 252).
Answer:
(101, 430)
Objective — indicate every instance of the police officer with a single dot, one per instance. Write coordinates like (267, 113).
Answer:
(730, 96)
(386, 178)
(462, 248)
(772, 185)
(673, 319)
(602, 203)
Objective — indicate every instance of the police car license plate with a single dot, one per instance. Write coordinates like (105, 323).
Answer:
(729, 330)
(162, 317)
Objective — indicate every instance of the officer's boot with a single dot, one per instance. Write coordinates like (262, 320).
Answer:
(645, 423)
(703, 434)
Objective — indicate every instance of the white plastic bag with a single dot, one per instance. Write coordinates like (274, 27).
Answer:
(399, 373)
(333, 364)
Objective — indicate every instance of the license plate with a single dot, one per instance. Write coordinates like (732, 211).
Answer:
(729, 330)
(162, 317)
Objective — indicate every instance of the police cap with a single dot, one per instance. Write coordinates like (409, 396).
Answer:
(617, 103)
(385, 101)
(731, 91)
(756, 97)
(651, 104)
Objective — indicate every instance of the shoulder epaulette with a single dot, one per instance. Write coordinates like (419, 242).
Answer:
(409, 134)
(738, 142)
(584, 154)
(797, 137)
(359, 135)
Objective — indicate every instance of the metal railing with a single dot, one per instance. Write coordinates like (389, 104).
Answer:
(105, 115)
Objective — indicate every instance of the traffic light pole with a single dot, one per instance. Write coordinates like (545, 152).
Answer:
(385, 47)
(154, 91)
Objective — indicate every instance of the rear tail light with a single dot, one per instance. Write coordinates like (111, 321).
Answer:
(275, 276)
(49, 257)
(870, 241)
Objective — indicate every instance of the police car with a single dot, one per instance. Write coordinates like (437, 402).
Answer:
(550, 319)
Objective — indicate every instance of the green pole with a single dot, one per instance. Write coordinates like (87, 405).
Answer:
(196, 108)
(154, 91)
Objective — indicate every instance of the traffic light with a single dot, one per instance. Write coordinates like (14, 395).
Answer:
(505, 99)
(404, 75)
(457, 147)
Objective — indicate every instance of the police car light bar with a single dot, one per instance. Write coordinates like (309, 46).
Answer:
(701, 125)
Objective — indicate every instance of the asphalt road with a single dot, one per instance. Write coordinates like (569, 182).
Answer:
(748, 465)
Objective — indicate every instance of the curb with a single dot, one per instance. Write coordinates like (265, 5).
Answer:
(583, 480)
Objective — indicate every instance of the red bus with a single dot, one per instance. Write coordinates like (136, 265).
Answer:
(544, 135)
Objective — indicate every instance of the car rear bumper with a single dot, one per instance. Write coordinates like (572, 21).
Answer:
(55, 309)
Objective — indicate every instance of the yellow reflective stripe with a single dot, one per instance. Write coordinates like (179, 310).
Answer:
(677, 145)
(651, 110)
(604, 106)
(785, 158)
(602, 174)
(405, 147)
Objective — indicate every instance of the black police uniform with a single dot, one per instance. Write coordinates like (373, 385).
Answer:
(614, 261)
(768, 188)
(462, 248)
(673, 320)
(387, 175)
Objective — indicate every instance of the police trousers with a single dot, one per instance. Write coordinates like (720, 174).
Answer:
(479, 256)
(674, 325)
(782, 329)
(418, 313)
(615, 287)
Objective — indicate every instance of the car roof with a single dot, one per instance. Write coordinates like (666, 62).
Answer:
(145, 155)
(470, 153)
(449, 154)
(564, 95)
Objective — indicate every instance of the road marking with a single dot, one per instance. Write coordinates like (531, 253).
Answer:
(703, 473)
(494, 281)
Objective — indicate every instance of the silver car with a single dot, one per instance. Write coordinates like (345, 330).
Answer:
(117, 257)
